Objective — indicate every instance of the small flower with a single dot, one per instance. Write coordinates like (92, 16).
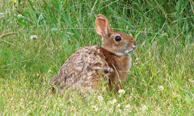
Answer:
(33, 37)
(121, 91)
(100, 98)
(1, 14)
(46, 107)
(160, 88)
(20, 16)
(137, 59)
(144, 108)
(110, 110)
(128, 106)
(114, 101)
(95, 108)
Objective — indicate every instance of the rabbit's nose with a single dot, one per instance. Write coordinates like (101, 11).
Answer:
(133, 45)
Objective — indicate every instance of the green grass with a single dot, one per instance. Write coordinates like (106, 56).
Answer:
(161, 81)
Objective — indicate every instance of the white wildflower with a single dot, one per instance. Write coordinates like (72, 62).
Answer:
(118, 105)
(20, 16)
(110, 110)
(128, 106)
(121, 91)
(33, 37)
(114, 101)
(160, 88)
(100, 98)
(46, 107)
(137, 59)
(95, 108)
(144, 108)
(1, 13)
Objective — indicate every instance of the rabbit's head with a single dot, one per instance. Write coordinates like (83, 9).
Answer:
(115, 42)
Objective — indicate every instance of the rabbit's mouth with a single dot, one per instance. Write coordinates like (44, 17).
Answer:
(125, 53)
(128, 51)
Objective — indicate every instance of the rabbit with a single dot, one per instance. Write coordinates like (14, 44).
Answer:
(86, 67)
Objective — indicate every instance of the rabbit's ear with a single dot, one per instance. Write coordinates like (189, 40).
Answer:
(102, 26)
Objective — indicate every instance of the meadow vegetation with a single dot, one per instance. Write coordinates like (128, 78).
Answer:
(37, 36)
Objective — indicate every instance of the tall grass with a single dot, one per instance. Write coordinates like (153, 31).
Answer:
(159, 83)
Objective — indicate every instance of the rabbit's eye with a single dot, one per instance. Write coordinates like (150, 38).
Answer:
(118, 38)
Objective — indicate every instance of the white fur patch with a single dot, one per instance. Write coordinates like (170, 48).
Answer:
(128, 51)
(119, 54)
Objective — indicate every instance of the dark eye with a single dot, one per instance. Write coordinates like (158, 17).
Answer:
(118, 38)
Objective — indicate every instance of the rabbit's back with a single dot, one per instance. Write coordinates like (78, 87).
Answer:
(82, 70)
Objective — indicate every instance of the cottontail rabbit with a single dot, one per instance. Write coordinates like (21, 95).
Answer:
(88, 65)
